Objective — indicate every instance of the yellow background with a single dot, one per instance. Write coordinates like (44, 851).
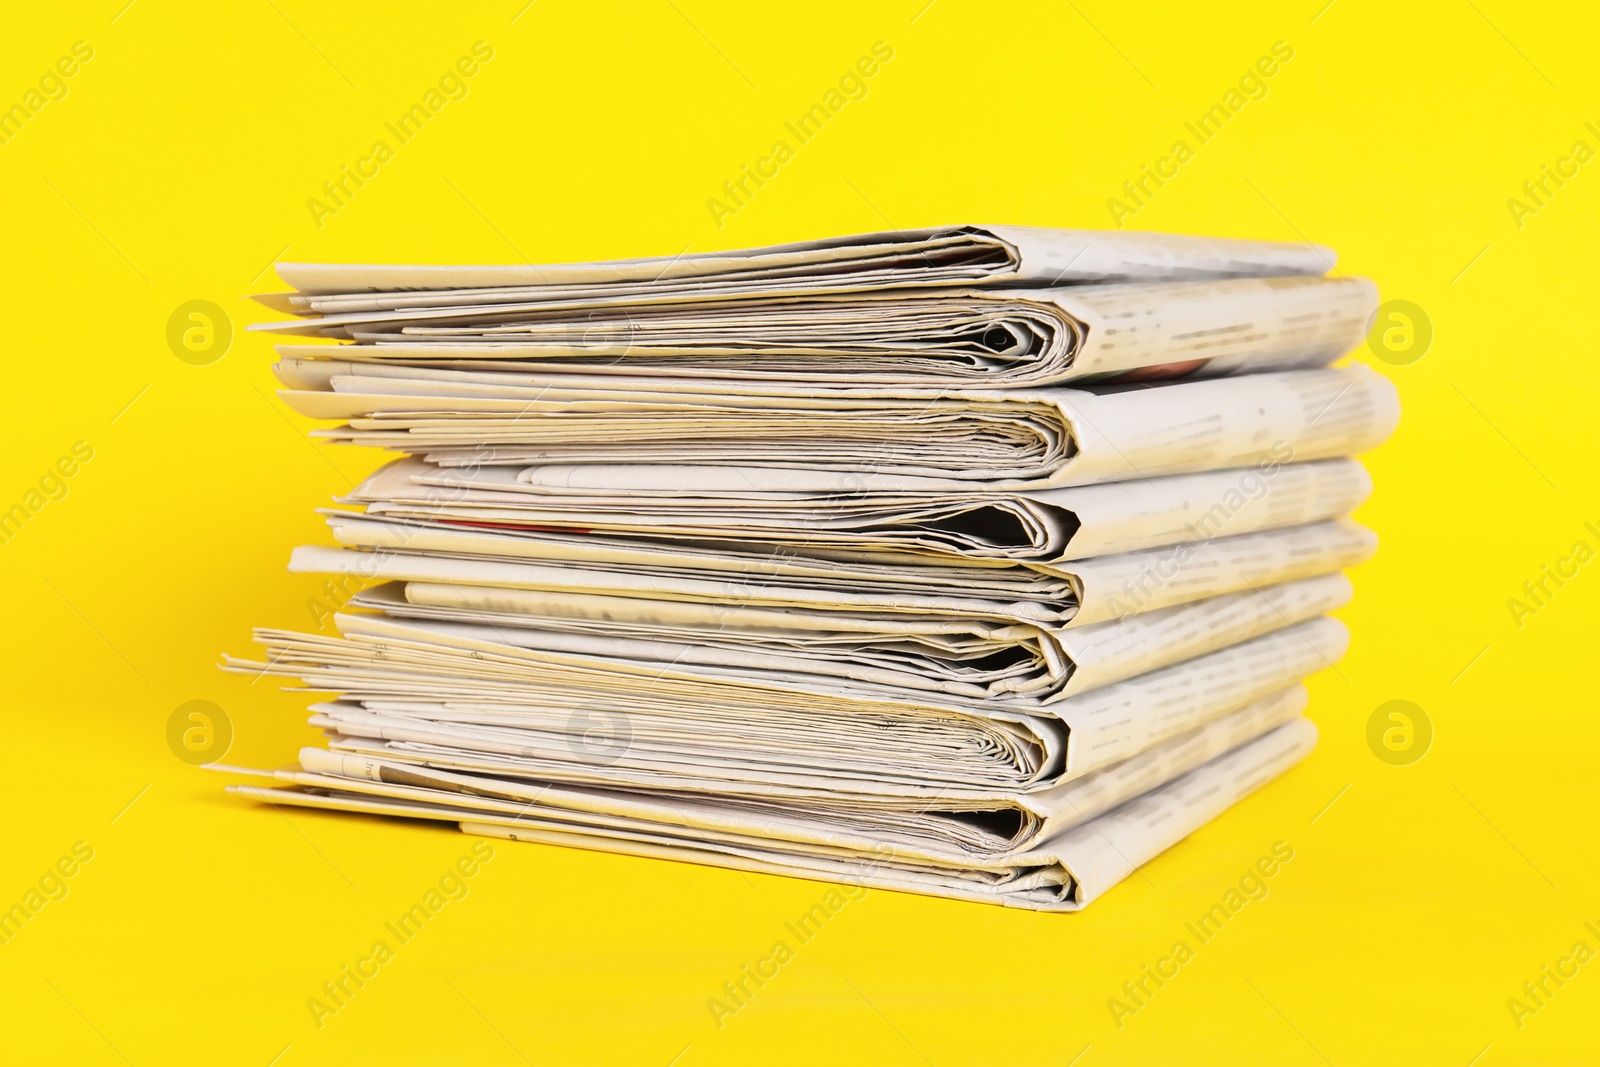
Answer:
(178, 167)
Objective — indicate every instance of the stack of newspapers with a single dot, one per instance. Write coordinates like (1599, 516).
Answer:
(983, 562)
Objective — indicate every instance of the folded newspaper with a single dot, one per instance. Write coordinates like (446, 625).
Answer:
(919, 338)
(841, 440)
(955, 256)
(805, 559)
(1093, 832)
(1040, 526)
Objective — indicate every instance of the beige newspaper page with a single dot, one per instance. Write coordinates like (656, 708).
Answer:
(1050, 525)
(1067, 594)
(1066, 873)
(1017, 439)
(933, 832)
(956, 255)
(915, 338)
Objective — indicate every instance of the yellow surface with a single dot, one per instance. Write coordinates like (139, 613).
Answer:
(178, 165)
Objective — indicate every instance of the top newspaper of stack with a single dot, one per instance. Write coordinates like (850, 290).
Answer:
(991, 306)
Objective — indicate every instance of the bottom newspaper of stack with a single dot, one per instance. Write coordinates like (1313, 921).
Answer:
(963, 752)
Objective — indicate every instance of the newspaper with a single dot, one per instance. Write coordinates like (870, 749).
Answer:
(346, 295)
(1007, 337)
(814, 440)
(894, 654)
(980, 527)
(734, 720)
(1094, 848)
(1071, 593)
(984, 562)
